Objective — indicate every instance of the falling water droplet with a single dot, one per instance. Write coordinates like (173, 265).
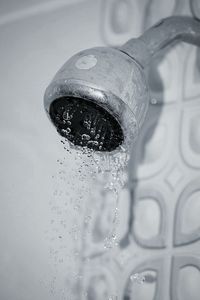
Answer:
(85, 137)
(154, 101)
(137, 278)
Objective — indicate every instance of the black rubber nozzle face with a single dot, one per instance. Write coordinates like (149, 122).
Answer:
(84, 123)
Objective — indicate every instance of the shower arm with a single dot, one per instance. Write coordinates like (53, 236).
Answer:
(166, 32)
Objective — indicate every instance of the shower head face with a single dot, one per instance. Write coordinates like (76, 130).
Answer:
(105, 87)
(86, 124)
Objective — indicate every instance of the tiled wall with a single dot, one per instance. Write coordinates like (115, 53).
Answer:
(160, 236)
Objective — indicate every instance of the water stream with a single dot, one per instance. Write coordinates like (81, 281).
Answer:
(104, 172)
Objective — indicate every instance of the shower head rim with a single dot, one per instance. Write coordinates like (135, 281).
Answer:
(84, 90)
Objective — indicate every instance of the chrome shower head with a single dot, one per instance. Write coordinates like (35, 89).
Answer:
(99, 98)
(95, 97)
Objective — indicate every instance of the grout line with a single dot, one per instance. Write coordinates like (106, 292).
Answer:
(35, 10)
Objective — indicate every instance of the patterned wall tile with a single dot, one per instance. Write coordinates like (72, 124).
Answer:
(150, 222)
(189, 283)
(174, 176)
(155, 143)
(191, 74)
(189, 200)
(190, 136)
(181, 289)
(121, 20)
(99, 283)
(153, 272)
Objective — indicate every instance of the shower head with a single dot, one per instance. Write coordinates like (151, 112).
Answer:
(95, 97)
(99, 98)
